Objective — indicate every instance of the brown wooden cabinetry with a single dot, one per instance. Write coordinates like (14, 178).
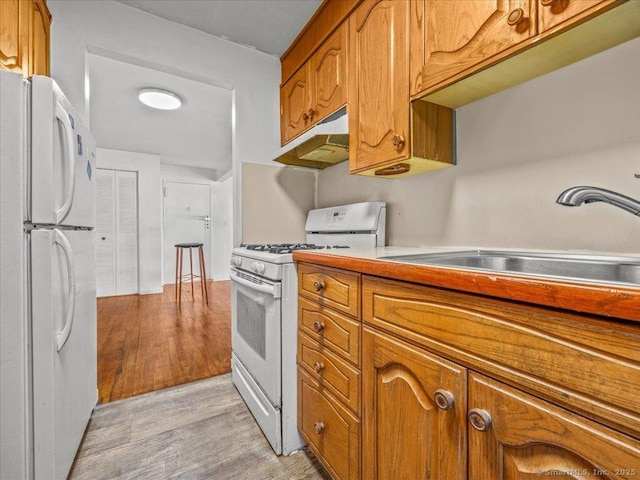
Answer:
(415, 405)
(465, 50)
(317, 89)
(458, 385)
(516, 436)
(449, 38)
(329, 367)
(24, 36)
(552, 13)
(378, 84)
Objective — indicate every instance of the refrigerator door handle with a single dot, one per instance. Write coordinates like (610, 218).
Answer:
(63, 335)
(63, 118)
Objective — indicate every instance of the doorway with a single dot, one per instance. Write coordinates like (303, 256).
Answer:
(186, 219)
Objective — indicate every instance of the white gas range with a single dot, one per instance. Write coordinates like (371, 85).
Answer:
(264, 314)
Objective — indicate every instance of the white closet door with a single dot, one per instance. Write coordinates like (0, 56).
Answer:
(117, 232)
(127, 232)
(105, 233)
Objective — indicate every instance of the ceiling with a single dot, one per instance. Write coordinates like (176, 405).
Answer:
(266, 25)
(199, 133)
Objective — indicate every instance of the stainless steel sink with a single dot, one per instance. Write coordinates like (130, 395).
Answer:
(588, 268)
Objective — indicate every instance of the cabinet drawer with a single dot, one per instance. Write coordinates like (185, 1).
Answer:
(333, 433)
(585, 363)
(327, 286)
(331, 329)
(330, 371)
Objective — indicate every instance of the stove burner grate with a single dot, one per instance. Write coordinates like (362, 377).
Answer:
(280, 248)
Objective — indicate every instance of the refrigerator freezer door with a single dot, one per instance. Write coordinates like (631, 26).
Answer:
(63, 292)
(63, 161)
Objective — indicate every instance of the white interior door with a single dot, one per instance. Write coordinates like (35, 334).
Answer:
(116, 232)
(187, 219)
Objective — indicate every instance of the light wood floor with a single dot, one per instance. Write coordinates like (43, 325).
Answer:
(145, 343)
(201, 430)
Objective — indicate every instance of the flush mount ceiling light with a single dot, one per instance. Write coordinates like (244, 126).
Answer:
(159, 98)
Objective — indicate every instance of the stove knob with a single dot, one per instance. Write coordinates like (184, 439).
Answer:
(258, 267)
(236, 261)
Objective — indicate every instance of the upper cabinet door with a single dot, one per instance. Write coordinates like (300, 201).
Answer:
(328, 80)
(39, 39)
(378, 84)
(450, 38)
(24, 36)
(14, 33)
(552, 13)
(295, 102)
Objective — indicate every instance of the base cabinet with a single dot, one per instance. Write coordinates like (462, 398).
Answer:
(462, 386)
(414, 421)
(516, 436)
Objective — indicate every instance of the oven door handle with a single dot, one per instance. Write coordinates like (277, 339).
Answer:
(268, 289)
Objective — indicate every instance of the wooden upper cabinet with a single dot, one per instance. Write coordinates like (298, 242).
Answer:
(328, 75)
(14, 34)
(39, 39)
(378, 84)
(515, 436)
(317, 90)
(295, 101)
(24, 36)
(450, 38)
(415, 405)
(552, 13)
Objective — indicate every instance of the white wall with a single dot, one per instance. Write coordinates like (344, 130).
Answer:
(517, 150)
(149, 211)
(221, 214)
(105, 26)
(276, 201)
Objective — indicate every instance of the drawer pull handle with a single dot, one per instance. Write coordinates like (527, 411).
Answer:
(318, 427)
(318, 366)
(480, 419)
(443, 399)
(318, 326)
(318, 285)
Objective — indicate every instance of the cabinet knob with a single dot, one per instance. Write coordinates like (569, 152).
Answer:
(557, 6)
(479, 419)
(305, 116)
(518, 19)
(318, 366)
(398, 140)
(443, 399)
(318, 427)
(312, 113)
(318, 285)
(318, 326)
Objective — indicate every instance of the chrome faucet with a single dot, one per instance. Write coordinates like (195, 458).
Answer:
(576, 196)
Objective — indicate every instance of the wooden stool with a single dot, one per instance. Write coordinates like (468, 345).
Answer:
(180, 279)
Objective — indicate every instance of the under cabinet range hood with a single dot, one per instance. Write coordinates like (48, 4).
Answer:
(324, 145)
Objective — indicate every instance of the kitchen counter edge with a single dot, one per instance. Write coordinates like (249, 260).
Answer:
(606, 300)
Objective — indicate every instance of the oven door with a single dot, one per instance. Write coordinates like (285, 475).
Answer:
(255, 334)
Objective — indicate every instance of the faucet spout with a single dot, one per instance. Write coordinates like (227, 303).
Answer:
(576, 196)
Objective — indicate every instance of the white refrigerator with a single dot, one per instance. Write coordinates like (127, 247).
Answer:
(48, 351)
